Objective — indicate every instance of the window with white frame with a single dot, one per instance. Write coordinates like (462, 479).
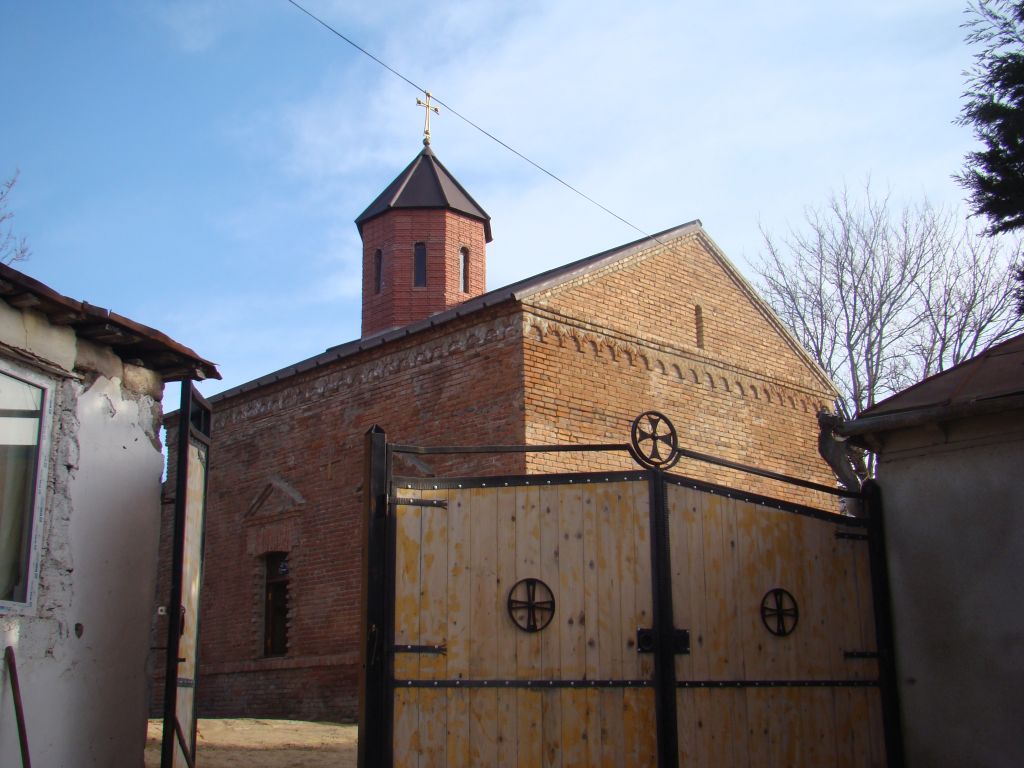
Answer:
(24, 429)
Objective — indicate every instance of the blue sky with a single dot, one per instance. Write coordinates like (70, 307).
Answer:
(197, 165)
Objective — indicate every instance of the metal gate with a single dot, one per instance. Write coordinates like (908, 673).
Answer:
(619, 618)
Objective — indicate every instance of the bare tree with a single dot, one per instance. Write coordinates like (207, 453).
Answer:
(11, 248)
(883, 298)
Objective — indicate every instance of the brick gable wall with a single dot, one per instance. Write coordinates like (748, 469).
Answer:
(653, 295)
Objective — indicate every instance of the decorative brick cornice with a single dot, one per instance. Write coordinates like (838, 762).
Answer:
(368, 368)
(548, 327)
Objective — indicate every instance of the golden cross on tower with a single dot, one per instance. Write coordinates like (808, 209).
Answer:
(426, 122)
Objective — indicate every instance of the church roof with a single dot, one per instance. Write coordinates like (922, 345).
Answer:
(426, 183)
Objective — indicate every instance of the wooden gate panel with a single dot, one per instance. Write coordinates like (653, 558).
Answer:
(454, 566)
(727, 553)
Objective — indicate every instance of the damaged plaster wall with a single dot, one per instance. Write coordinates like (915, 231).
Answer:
(82, 648)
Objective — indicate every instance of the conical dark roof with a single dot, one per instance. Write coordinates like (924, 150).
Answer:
(426, 183)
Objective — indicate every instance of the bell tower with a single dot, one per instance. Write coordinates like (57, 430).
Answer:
(424, 246)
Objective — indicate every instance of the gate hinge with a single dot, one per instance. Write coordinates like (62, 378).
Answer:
(680, 641)
(861, 654)
(439, 649)
(410, 502)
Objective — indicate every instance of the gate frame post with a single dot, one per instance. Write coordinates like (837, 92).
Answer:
(888, 681)
(375, 695)
(665, 707)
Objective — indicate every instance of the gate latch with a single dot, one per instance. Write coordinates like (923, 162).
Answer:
(680, 641)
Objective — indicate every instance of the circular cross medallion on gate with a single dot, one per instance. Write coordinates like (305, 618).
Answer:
(779, 612)
(653, 441)
(531, 605)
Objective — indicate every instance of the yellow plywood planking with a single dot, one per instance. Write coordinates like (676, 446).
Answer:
(851, 596)
(407, 587)
(639, 726)
(483, 726)
(592, 737)
(627, 568)
(829, 594)
(865, 604)
(612, 726)
(813, 635)
(713, 737)
(573, 704)
(507, 735)
(508, 738)
(694, 579)
(859, 735)
(758, 727)
(551, 729)
(686, 728)
(406, 728)
(506, 578)
(732, 701)
(846, 738)
(457, 737)
(609, 579)
(460, 521)
(643, 606)
(529, 737)
(529, 711)
(750, 590)
(593, 498)
(459, 613)
(681, 517)
(569, 590)
(773, 572)
(434, 585)
(550, 638)
(528, 555)
(817, 726)
(433, 719)
(483, 649)
(716, 636)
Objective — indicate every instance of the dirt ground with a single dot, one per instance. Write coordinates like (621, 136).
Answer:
(246, 743)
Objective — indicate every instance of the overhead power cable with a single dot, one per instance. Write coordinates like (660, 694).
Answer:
(469, 122)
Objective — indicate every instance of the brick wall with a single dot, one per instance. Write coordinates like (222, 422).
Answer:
(286, 474)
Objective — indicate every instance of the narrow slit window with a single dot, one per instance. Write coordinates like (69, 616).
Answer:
(698, 322)
(464, 269)
(378, 271)
(420, 265)
(275, 633)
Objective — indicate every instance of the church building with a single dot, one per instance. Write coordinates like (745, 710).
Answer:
(571, 355)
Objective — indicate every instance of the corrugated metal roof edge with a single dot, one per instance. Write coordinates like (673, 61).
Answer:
(864, 426)
(76, 314)
(967, 367)
(513, 292)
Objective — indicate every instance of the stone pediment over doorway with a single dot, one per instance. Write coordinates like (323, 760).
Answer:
(271, 521)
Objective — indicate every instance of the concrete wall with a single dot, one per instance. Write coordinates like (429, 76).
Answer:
(82, 647)
(954, 505)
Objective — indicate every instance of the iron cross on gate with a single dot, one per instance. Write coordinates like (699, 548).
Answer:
(426, 120)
